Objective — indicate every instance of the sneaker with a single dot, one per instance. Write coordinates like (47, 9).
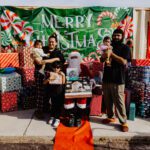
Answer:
(51, 121)
(56, 123)
(78, 122)
(109, 120)
(124, 127)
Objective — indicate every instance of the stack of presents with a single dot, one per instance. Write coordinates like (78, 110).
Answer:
(17, 87)
(137, 92)
(139, 84)
(17, 83)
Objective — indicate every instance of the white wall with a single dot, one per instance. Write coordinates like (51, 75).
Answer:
(77, 3)
(141, 18)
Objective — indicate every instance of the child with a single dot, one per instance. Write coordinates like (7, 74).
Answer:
(39, 53)
(104, 48)
(55, 82)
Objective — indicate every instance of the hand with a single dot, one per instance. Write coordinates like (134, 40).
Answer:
(109, 52)
(57, 59)
(43, 62)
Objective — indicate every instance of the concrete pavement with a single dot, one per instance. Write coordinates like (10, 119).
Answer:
(19, 130)
(23, 123)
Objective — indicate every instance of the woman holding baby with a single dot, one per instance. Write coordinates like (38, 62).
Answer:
(54, 55)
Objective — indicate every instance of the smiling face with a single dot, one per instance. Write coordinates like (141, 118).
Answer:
(52, 43)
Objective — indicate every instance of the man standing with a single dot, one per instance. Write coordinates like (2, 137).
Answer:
(114, 80)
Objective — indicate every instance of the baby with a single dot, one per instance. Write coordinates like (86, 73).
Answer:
(39, 53)
(104, 48)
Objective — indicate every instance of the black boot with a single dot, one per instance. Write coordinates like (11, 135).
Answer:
(71, 122)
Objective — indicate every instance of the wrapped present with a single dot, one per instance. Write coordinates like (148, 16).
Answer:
(139, 73)
(96, 105)
(140, 62)
(9, 60)
(8, 101)
(25, 59)
(127, 99)
(27, 76)
(28, 97)
(10, 82)
(144, 74)
(91, 69)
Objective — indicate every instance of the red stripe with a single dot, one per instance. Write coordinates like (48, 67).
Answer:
(9, 60)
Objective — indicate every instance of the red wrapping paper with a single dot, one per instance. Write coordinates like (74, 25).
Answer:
(25, 59)
(9, 60)
(8, 101)
(140, 62)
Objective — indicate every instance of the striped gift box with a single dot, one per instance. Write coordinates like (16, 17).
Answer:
(140, 62)
(9, 60)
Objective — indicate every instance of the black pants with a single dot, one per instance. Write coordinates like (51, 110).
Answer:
(56, 93)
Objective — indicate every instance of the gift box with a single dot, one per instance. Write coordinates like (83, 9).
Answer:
(96, 105)
(25, 59)
(127, 99)
(140, 62)
(10, 82)
(27, 76)
(28, 97)
(139, 73)
(91, 69)
(9, 60)
(8, 101)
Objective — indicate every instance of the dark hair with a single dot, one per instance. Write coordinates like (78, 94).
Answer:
(119, 31)
(106, 38)
(37, 41)
(54, 35)
(57, 64)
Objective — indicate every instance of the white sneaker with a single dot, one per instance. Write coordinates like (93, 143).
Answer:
(51, 121)
(56, 123)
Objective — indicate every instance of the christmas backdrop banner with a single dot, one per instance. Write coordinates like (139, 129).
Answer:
(80, 28)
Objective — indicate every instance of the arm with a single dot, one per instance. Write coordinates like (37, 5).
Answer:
(63, 77)
(119, 59)
(50, 78)
(50, 60)
(46, 81)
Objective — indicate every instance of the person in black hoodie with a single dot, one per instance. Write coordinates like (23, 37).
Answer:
(114, 80)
